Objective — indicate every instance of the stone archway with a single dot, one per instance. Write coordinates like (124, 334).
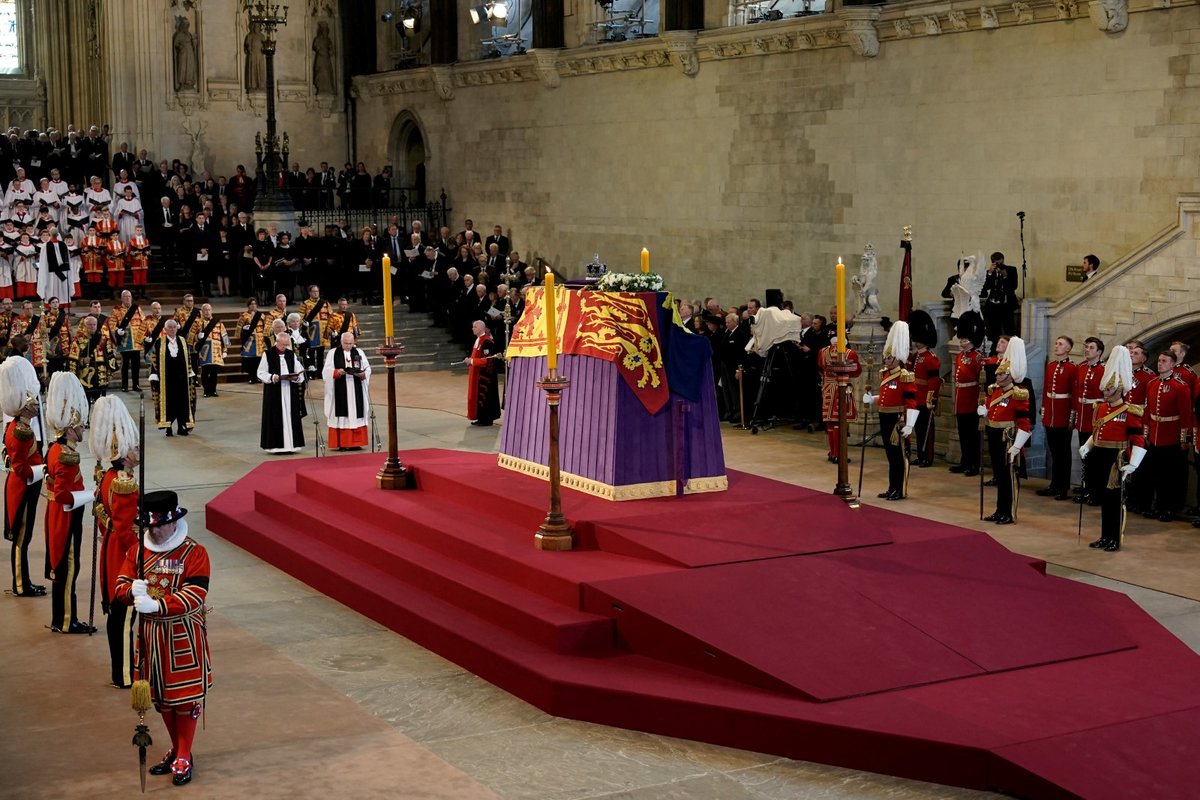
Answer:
(408, 152)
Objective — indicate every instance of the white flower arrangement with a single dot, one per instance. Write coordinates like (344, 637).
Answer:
(630, 282)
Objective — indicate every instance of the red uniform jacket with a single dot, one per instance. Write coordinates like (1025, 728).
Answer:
(968, 374)
(1167, 415)
(927, 375)
(1186, 375)
(116, 513)
(1058, 393)
(897, 391)
(1141, 380)
(1087, 394)
(1008, 408)
(1117, 426)
(62, 479)
(21, 447)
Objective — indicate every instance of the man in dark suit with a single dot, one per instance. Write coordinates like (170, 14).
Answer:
(143, 169)
(999, 299)
(497, 238)
(95, 156)
(123, 160)
(162, 226)
(496, 264)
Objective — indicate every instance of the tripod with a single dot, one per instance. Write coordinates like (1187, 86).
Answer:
(764, 385)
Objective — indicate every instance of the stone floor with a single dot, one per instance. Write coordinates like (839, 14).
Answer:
(311, 698)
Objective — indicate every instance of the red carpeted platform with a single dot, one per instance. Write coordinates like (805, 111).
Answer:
(768, 617)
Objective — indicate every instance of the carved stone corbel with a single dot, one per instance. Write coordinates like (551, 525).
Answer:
(933, 27)
(903, 28)
(859, 24)
(1022, 11)
(443, 81)
(987, 17)
(546, 59)
(682, 45)
(958, 20)
(1110, 16)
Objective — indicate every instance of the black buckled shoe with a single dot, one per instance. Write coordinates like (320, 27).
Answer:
(181, 772)
(1098, 544)
(895, 495)
(75, 627)
(32, 590)
(1004, 519)
(163, 767)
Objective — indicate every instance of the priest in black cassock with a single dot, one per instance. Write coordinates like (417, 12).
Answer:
(282, 374)
(171, 386)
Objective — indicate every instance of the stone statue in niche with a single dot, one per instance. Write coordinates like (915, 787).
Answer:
(183, 44)
(864, 283)
(256, 61)
(323, 61)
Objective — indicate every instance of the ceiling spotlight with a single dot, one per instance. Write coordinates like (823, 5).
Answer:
(386, 16)
(492, 11)
(478, 14)
(498, 10)
(412, 19)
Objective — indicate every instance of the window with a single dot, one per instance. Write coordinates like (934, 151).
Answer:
(10, 39)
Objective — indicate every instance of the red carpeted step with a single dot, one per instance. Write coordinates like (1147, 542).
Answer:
(559, 626)
(483, 536)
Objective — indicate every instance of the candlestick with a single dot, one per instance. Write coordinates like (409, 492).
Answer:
(645, 260)
(841, 306)
(387, 297)
(551, 330)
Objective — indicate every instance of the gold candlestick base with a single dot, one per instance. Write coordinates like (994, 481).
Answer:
(554, 533)
(393, 474)
(843, 369)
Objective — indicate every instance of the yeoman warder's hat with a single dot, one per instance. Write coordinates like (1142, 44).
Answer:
(161, 508)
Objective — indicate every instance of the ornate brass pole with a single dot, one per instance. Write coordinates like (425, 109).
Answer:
(844, 369)
(393, 475)
(554, 532)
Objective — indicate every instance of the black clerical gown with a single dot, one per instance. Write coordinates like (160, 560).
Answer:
(282, 431)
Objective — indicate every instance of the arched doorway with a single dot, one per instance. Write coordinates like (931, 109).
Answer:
(409, 154)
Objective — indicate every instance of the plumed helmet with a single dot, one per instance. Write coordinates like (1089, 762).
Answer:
(1118, 371)
(970, 326)
(18, 385)
(66, 403)
(921, 328)
(897, 344)
(1014, 362)
(113, 433)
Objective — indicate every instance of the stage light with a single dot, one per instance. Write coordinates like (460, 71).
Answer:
(386, 16)
(412, 19)
(478, 14)
(499, 10)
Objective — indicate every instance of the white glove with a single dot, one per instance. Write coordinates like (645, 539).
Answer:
(139, 588)
(868, 399)
(1018, 442)
(145, 604)
(981, 411)
(39, 472)
(906, 431)
(78, 498)
(910, 419)
(153, 378)
(1135, 460)
(1085, 448)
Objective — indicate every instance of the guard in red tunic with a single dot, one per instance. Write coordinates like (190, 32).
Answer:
(113, 437)
(114, 261)
(897, 398)
(1182, 369)
(1116, 429)
(172, 652)
(1008, 429)
(968, 376)
(19, 390)
(1167, 421)
(1058, 417)
(1088, 394)
(829, 398)
(926, 369)
(483, 393)
(1142, 374)
(66, 414)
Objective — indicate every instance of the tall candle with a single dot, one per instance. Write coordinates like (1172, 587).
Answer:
(841, 306)
(645, 260)
(551, 330)
(387, 297)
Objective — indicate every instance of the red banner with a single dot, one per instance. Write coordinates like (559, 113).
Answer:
(906, 281)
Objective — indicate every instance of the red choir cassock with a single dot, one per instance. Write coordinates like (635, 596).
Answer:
(93, 259)
(115, 261)
(139, 259)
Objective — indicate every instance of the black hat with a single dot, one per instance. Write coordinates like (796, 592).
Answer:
(160, 508)
(970, 326)
(921, 328)
(885, 323)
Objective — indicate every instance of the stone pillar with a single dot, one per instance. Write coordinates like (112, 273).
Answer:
(682, 15)
(69, 54)
(547, 23)
(443, 31)
(129, 77)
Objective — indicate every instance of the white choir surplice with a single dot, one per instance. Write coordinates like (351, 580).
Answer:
(285, 403)
(351, 422)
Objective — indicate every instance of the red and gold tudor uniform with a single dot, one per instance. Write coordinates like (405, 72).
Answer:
(829, 403)
(1007, 410)
(968, 374)
(1058, 420)
(23, 452)
(116, 516)
(1167, 427)
(896, 395)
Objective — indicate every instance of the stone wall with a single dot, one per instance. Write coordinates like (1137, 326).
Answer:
(749, 158)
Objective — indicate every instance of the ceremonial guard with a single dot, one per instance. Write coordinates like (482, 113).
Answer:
(897, 398)
(926, 369)
(113, 437)
(347, 395)
(829, 396)
(1167, 423)
(94, 248)
(66, 415)
(968, 376)
(316, 313)
(1087, 394)
(126, 327)
(92, 358)
(1142, 374)
(1007, 411)
(23, 437)
(282, 374)
(152, 326)
(1058, 416)
(210, 343)
(30, 326)
(1116, 428)
(168, 591)
(171, 386)
(139, 256)
(188, 317)
(483, 392)
(1182, 369)
(341, 321)
(252, 325)
(56, 321)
